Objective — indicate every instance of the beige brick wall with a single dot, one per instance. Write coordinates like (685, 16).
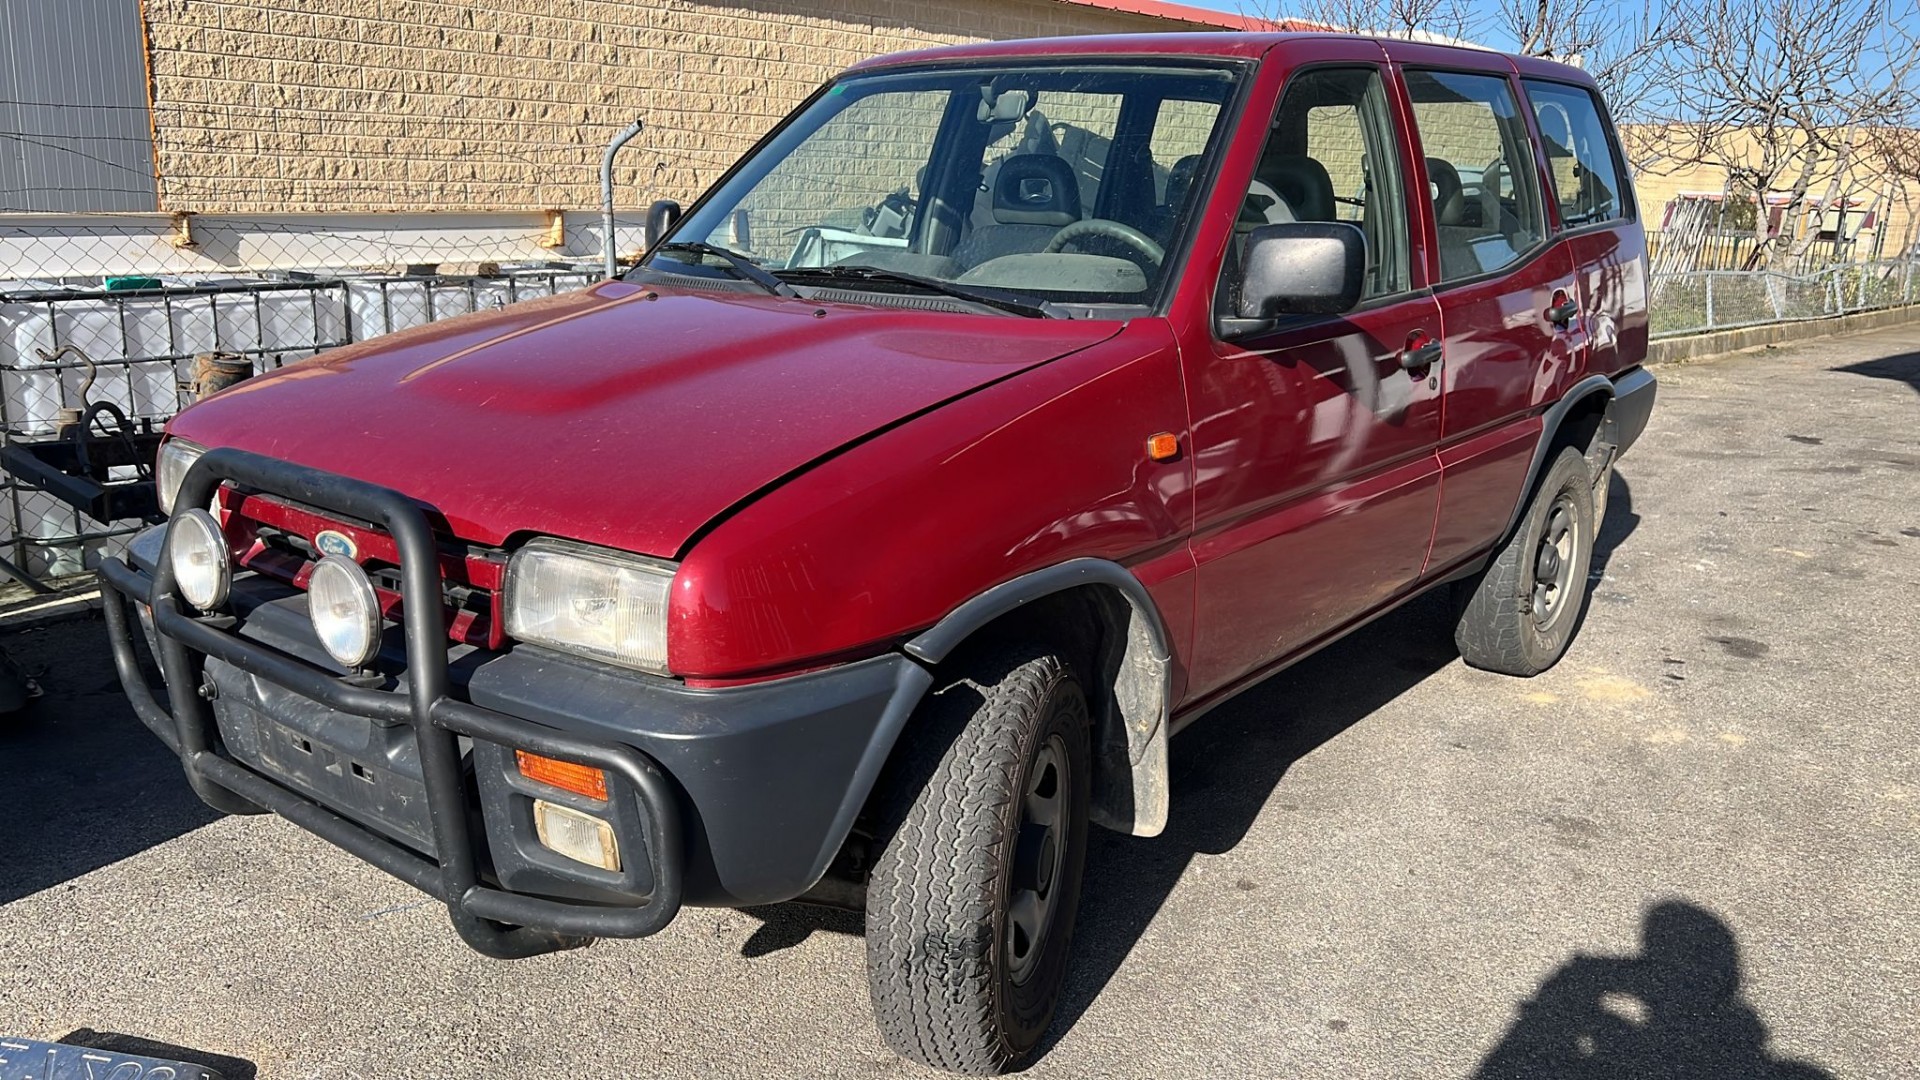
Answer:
(1668, 171)
(350, 105)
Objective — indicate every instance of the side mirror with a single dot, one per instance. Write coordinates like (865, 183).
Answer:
(660, 217)
(1301, 268)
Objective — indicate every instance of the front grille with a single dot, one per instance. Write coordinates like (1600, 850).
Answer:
(275, 537)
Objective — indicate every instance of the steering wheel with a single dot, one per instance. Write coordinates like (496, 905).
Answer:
(1113, 230)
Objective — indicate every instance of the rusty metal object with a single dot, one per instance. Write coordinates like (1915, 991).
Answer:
(215, 371)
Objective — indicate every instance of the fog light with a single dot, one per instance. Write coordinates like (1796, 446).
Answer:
(580, 837)
(197, 549)
(345, 610)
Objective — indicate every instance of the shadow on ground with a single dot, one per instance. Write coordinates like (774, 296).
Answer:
(1671, 1012)
(1619, 523)
(1902, 368)
(87, 783)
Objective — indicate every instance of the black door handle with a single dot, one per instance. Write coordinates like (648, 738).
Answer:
(1421, 356)
(1563, 312)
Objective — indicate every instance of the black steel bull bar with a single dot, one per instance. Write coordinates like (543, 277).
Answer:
(496, 922)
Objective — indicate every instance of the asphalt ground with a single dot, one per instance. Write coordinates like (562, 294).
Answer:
(1687, 851)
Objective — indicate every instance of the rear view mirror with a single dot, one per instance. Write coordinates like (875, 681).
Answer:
(1301, 268)
(660, 217)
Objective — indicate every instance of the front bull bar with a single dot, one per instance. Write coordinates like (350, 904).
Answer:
(499, 923)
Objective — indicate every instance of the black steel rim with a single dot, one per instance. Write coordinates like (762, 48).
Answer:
(1553, 560)
(1039, 859)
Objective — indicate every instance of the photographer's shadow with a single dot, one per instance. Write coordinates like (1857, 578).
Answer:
(1672, 1012)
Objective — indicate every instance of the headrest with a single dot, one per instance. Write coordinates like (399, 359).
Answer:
(1036, 189)
(1449, 197)
(1180, 178)
(1303, 182)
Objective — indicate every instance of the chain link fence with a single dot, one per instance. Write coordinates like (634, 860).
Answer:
(119, 316)
(1699, 301)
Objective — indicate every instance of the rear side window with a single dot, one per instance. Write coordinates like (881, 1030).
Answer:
(1580, 150)
(1480, 170)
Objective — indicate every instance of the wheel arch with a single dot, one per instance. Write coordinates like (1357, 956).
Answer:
(1102, 615)
(1580, 418)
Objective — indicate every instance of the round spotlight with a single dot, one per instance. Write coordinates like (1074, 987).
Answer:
(198, 551)
(345, 610)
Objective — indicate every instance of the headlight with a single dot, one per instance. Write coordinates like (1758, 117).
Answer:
(198, 552)
(176, 457)
(345, 610)
(590, 601)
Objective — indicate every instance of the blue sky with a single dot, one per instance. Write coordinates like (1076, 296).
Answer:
(1477, 10)
(1484, 13)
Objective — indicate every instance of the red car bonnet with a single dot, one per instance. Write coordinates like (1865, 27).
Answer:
(621, 416)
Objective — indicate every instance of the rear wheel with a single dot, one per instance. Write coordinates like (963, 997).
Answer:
(1518, 617)
(972, 898)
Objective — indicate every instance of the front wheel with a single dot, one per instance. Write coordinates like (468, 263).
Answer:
(1518, 617)
(983, 827)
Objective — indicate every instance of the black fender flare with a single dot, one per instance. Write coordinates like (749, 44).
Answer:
(1133, 739)
(1550, 422)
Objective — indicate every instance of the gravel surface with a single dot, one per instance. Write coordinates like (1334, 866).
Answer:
(1687, 851)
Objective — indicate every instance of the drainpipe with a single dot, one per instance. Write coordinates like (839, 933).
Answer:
(606, 190)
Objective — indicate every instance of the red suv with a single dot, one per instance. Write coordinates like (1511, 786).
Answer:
(1005, 409)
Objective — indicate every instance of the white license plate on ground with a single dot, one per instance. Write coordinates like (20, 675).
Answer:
(29, 1059)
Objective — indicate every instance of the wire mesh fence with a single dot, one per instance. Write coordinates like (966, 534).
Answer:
(132, 343)
(1699, 301)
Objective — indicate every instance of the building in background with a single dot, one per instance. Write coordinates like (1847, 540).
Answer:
(278, 106)
(75, 127)
(348, 107)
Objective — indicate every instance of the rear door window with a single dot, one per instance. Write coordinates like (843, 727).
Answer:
(1584, 163)
(1480, 170)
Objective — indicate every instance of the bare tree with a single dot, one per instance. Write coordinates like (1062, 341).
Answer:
(1896, 148)
(1418, 20)
(1618, 48)
(1775, 93)
(1555, 28)
(1893, 143)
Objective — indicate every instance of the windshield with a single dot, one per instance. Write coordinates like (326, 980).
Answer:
(1033, 186)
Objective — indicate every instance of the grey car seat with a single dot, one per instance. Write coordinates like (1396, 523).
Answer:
(1166, 216)
(1034, 196)
(1303, 183)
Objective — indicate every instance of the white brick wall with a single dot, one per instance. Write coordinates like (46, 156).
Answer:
(350, 105)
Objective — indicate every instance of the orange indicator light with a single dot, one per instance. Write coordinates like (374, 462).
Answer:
(1163, 447)
(565, 775)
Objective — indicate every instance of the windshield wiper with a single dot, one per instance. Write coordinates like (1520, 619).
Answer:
(1041, 309)
(742, 266)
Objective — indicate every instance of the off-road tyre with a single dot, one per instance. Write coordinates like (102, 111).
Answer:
(1500, 624)
(950, 987)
